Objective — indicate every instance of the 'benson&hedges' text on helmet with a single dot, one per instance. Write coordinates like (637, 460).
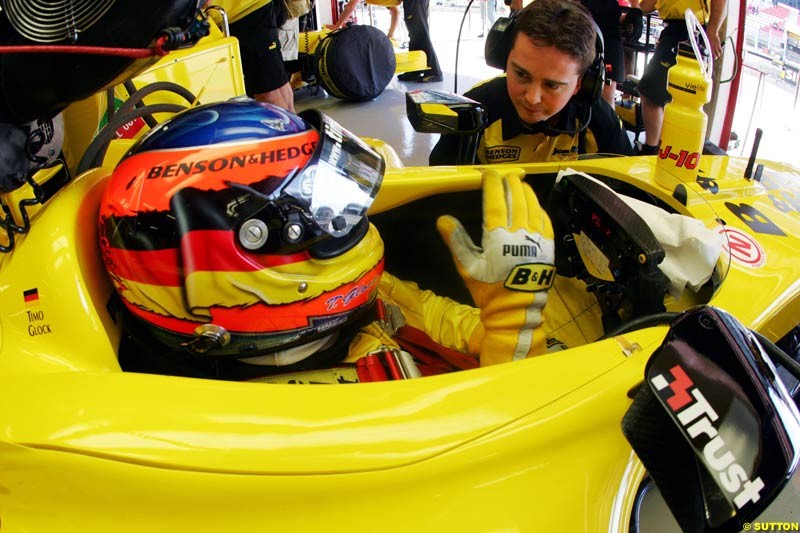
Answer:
(238, 228)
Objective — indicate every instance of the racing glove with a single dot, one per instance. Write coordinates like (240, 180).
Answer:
(509, 275)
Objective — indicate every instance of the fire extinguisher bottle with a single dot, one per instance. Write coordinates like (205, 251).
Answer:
(684, 128)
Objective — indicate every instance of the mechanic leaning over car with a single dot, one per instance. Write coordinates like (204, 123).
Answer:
(236, 236)
(547, 105)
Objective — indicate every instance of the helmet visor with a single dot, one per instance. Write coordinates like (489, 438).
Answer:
(340, 181)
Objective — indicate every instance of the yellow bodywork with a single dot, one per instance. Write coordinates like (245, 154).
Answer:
(533, 445)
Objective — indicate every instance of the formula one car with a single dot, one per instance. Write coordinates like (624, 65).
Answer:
(695, 395)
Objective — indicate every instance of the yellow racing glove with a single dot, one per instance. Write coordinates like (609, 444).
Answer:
(509, 275)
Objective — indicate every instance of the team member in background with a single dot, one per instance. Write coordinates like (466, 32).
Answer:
(255, 23)
(653, 85)
(415, 13)
(606, 13)
(392, 5)
(537, 111)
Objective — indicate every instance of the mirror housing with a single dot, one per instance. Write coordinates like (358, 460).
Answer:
(432, 111)
(714, 425)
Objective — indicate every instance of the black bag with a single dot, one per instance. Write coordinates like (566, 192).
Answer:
(355, 62)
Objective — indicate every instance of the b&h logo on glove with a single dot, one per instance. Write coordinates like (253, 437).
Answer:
(530, 277)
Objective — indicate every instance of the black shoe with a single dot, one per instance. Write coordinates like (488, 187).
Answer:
(413, 77)
(480, 36)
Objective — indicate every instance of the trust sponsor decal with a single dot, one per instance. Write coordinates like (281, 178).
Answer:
(700, 423)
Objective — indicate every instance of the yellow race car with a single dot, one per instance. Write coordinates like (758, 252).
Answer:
(673, 387)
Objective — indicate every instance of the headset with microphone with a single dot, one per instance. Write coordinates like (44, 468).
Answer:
(500, 40)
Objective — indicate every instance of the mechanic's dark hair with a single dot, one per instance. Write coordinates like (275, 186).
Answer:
(565, 24)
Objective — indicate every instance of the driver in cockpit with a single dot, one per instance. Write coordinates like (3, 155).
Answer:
(236, 236)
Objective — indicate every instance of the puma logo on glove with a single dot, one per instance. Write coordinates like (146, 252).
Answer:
(522, 250)
(507, 276)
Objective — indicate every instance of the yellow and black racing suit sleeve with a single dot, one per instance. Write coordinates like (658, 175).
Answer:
(571, 318)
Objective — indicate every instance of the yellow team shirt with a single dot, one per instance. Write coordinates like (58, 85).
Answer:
(508, 140)
(675, 9)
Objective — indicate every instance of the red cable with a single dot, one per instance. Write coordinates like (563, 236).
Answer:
(160, 42)
(95, 50)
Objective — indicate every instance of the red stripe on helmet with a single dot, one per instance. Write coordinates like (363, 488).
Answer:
(204, 251)
(151, 267)
(217, 251)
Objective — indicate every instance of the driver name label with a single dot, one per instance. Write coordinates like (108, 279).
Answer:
(531, 277)
(37, 323)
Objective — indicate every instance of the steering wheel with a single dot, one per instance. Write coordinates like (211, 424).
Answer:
(602, 241)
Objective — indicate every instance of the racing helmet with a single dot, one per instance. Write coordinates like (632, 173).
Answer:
(238, 229)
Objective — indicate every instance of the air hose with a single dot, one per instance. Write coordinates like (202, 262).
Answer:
(131, 109)
(94, 154)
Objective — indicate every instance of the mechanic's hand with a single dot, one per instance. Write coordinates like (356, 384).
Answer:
(716, 45)
(509, 275)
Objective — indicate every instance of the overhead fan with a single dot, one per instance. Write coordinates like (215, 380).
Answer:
(49, 21)
(36, 85)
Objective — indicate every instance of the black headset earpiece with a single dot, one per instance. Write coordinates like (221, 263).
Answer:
(499, 41)
(594, 77)
(498, 45)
